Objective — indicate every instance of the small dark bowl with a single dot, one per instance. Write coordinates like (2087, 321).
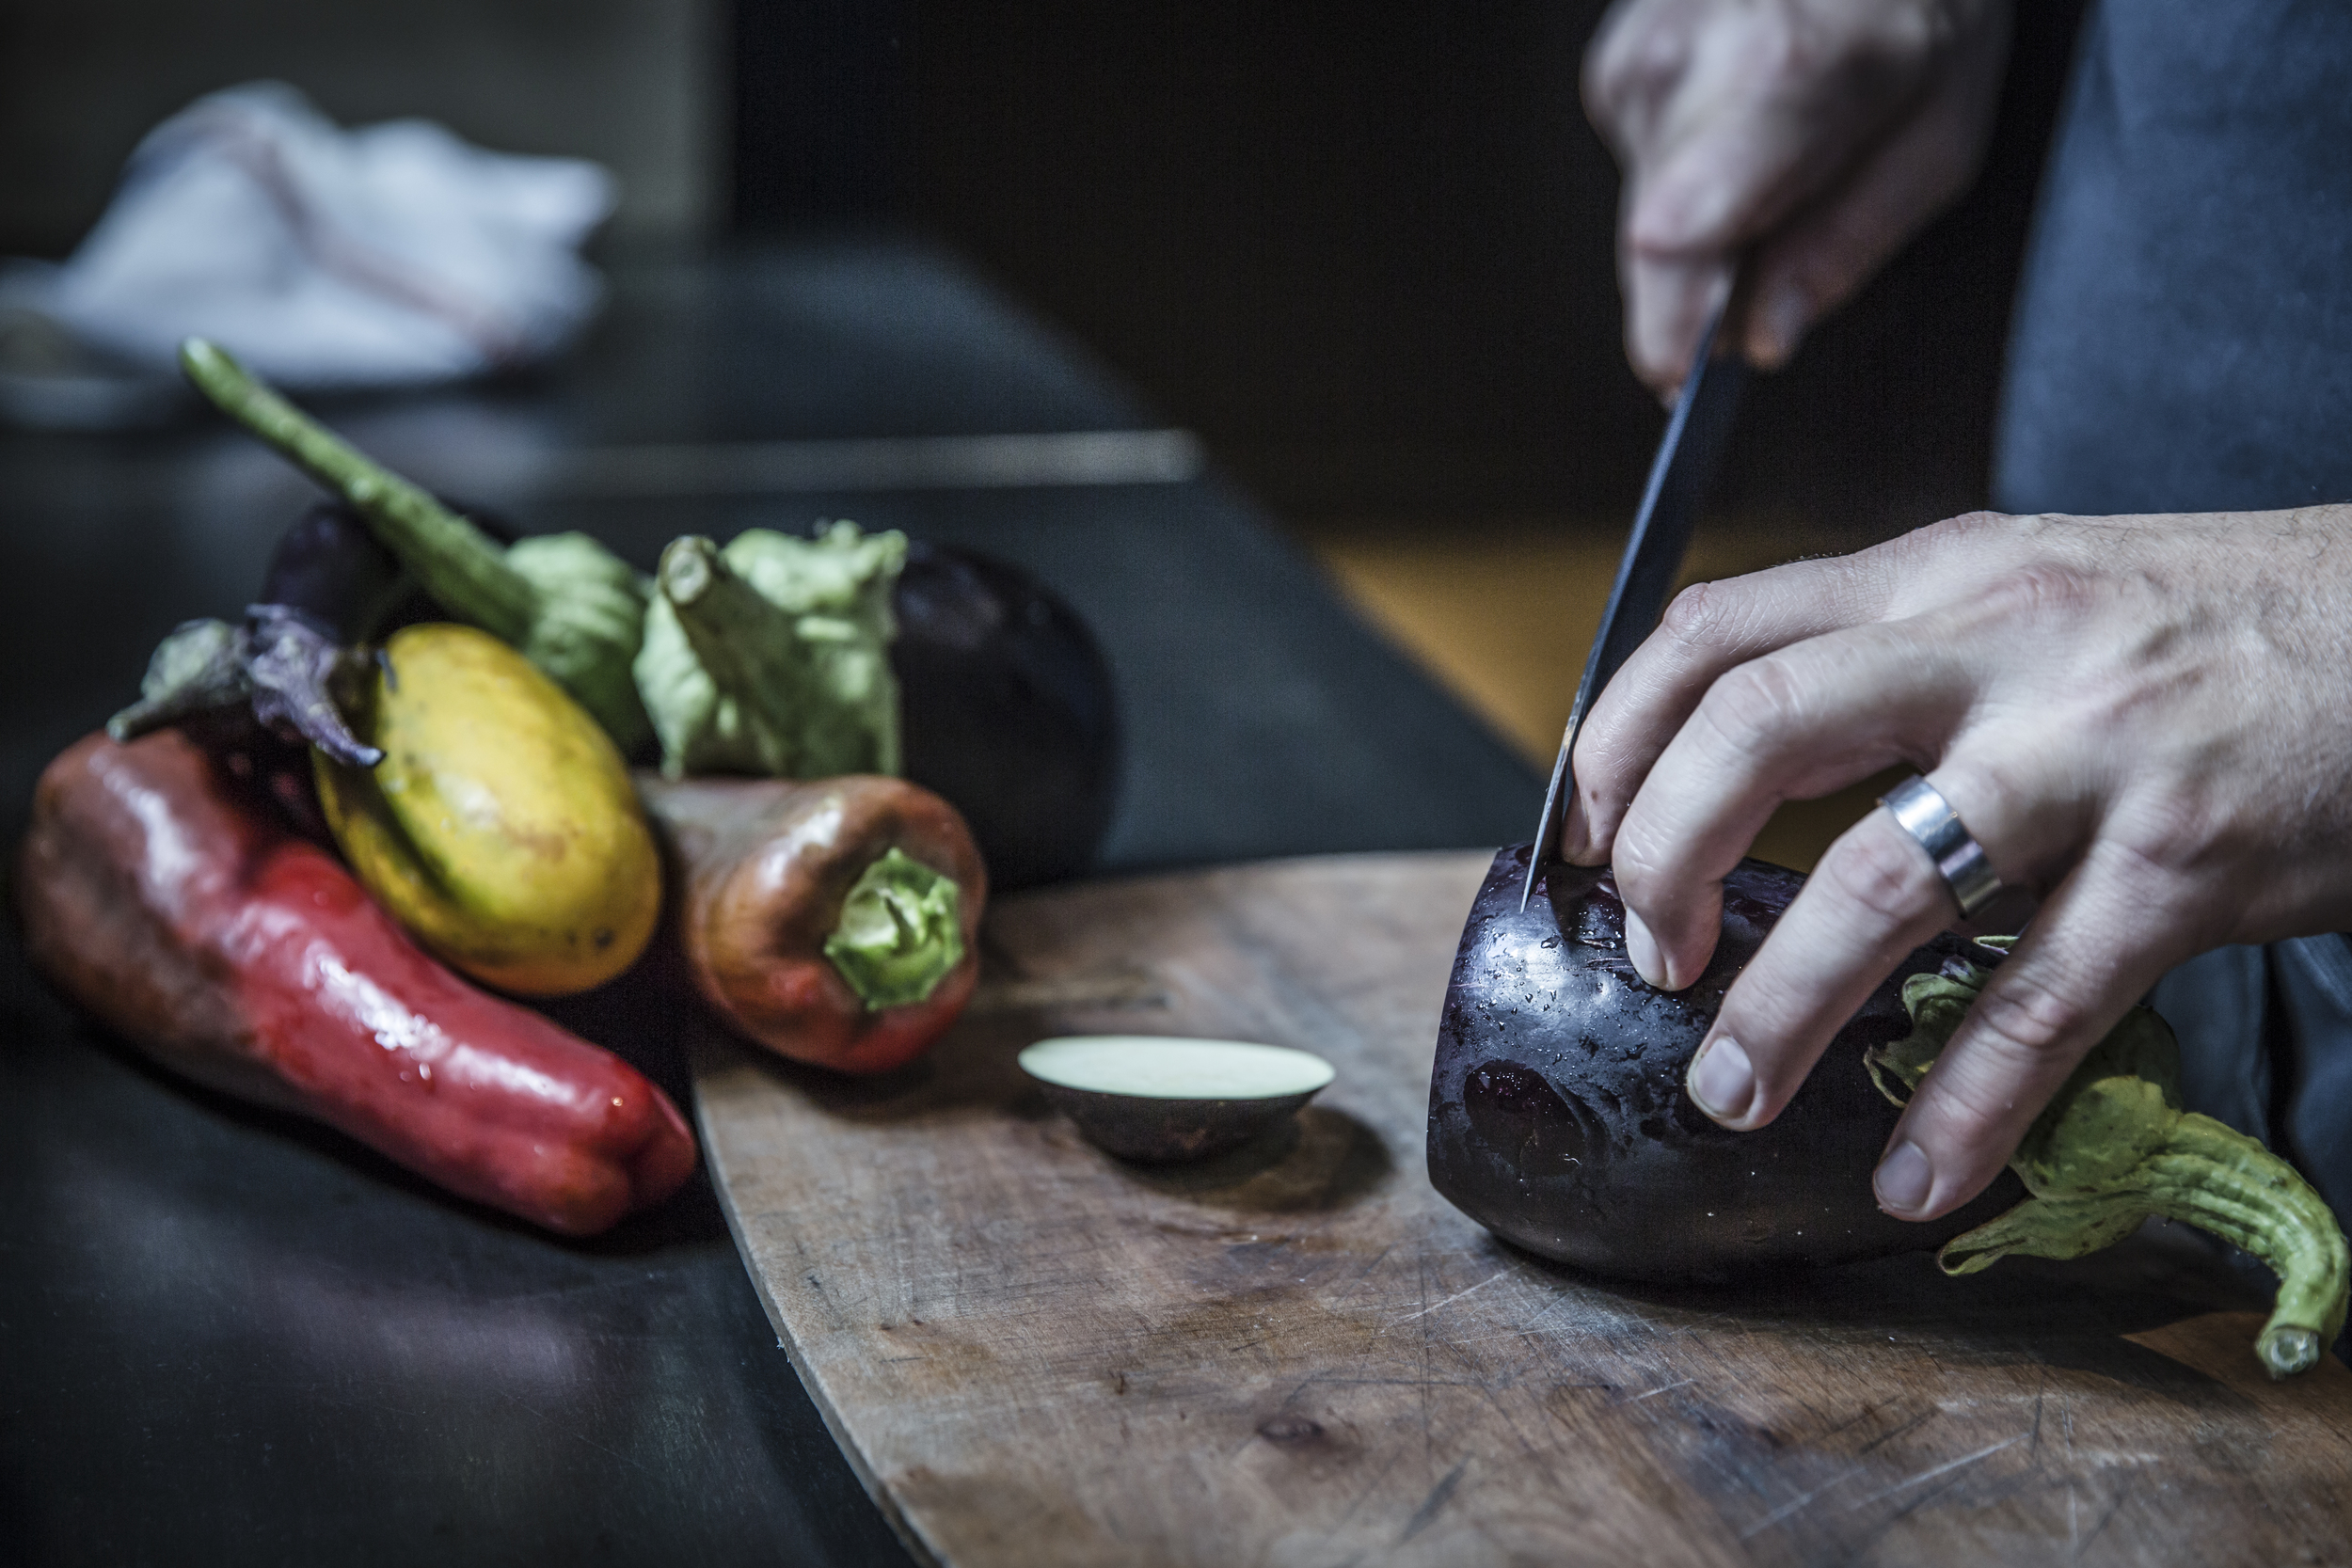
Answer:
(1159, 1128)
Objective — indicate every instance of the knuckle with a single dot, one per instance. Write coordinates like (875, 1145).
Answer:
(1792, 48)
(1633, 57)
(1696, 618)
(2028, 1020)
(1882, 874)
(1640, 862)
(1968, 530)
(1606, 87)
(2040, 591)
(2168, 874)
(2167, 836)
(1756, 704)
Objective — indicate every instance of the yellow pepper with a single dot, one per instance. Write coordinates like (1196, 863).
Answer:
(501, 827)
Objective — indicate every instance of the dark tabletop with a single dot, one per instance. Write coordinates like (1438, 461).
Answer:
(229, 1335)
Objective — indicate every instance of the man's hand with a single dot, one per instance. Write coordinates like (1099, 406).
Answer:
(1816, 134)
(2145, 721)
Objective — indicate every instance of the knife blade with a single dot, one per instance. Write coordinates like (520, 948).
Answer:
(1688, 455)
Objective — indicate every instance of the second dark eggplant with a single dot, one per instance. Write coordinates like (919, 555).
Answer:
(1006, 710)
(1558, 1118)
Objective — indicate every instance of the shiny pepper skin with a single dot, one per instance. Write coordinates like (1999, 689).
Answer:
(159, 894)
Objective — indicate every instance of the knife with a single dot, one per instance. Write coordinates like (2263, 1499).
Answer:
(1687, 457)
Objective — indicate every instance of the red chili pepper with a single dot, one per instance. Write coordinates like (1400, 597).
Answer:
(768, 866)
(160, 897)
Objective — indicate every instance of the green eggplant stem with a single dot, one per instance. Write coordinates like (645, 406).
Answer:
(743, 640)
(575, 609)
(201, 668)
(725, 618)
(770, 655)
(458, 565)
(899, 932)
(2114, 1147)
(2206, 1179)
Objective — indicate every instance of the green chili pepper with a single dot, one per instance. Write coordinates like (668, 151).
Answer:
(572, 606)
(2114, 1147)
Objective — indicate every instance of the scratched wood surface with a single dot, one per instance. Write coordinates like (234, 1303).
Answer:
(1298, 1355)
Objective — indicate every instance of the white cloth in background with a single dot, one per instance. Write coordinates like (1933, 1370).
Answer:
(393, 255)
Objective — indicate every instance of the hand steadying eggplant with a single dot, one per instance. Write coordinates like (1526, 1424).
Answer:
(1557, 1117)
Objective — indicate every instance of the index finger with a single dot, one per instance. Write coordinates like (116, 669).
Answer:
(1709, 630)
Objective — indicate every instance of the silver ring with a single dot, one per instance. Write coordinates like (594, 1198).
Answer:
(1920, 810)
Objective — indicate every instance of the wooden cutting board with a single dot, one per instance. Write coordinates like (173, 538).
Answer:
(1299, 1354)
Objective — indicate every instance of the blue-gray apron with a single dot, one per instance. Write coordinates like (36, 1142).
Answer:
(2182, 342)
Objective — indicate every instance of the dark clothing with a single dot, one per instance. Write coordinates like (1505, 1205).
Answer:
(2182, 339)
(2182, 342)
(2267, 1048)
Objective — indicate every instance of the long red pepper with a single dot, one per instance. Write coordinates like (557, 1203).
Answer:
(158, 896)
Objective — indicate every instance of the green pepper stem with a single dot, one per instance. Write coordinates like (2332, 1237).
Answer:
(899, 932)
(458, 565)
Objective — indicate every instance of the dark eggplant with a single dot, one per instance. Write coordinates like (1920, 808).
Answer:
(1558, 1119)
(329, 587)
(1006, 710)
(329, 566)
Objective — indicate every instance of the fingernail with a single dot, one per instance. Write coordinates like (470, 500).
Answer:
(1722, 1081)
(1903, 1180)
(1643, 949)
(1775, 325)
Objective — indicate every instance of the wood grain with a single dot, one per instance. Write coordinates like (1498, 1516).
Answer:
(1298, 1355)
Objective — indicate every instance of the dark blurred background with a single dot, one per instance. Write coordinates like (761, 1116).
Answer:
(1363, 249)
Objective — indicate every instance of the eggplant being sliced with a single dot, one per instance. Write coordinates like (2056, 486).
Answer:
(1557, 1117)
(1006, 710)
